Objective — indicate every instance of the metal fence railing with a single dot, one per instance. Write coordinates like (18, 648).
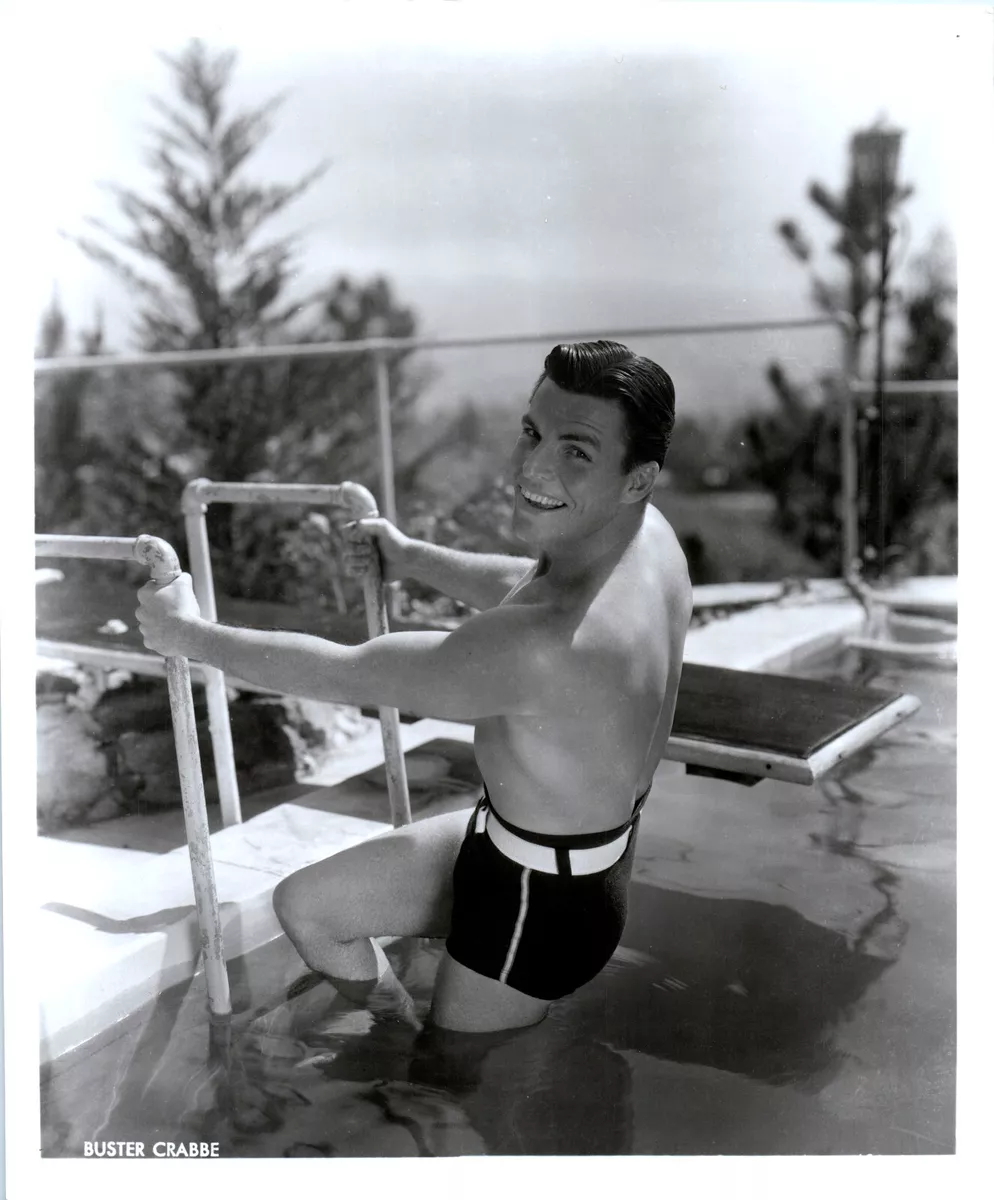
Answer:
(378, 350)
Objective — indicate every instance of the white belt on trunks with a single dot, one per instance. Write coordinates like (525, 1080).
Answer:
(544, 858)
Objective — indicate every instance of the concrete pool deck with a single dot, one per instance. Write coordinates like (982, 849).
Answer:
(118, 926)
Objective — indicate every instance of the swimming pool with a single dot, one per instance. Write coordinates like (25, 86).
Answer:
(785, 985)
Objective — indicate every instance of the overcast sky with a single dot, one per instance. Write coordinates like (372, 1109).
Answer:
(517, 171)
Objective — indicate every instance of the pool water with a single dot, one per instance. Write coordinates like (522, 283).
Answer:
(785, 985)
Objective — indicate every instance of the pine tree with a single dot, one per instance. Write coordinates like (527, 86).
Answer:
(924, 475)
(796, 450)
(861, 215)
(64, 446)
(198, 256)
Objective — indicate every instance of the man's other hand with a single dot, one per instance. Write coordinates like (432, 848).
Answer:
(361, 537)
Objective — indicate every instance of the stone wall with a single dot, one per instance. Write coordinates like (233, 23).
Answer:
(105, 743)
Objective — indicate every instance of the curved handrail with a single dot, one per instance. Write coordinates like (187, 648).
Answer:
(360, 503)
(163, 564)
(359, 500)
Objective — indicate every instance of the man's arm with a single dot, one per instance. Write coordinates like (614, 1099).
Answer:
(479, 580)
(496, 663)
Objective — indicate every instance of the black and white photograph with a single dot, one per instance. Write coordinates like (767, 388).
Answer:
(494, 577)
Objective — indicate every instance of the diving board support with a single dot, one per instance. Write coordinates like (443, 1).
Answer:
(360, 504)
(164, 567)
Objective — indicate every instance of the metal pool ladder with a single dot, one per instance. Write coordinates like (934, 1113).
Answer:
(164, 566)
(359, 503)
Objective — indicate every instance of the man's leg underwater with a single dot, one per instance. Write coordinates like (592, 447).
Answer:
(399, 884)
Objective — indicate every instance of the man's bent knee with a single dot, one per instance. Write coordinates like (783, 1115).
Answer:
(303, 915)
(286, 903)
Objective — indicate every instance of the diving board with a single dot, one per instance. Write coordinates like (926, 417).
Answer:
(747, 725)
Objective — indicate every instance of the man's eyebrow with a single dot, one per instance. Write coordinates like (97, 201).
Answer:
(590, 438)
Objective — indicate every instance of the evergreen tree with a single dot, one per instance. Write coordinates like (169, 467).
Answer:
(103, 462)
(861, 215)
(796, 452)
(924, 476)
(206, 273)
(63, 444)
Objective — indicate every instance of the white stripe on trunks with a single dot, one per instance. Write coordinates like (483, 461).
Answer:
(519, 925)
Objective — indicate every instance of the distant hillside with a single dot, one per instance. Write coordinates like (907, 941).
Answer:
(713, 373)
(728, 538)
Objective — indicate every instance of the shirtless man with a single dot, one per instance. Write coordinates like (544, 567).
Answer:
(569, 673)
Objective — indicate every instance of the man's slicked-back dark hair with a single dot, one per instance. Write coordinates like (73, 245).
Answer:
(610, 371)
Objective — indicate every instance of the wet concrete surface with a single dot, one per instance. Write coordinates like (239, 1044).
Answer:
(786, 985)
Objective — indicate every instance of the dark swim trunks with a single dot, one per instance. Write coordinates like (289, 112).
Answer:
(542, 913)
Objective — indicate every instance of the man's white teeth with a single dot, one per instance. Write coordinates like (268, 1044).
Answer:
(542, 501)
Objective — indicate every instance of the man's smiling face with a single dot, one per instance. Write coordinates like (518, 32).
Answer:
(567, 467)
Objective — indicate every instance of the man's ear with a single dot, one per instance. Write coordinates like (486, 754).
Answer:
(641, 480)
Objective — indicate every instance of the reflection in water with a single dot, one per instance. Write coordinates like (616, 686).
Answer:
(721, 1025)
(737, 986)
(884, 933)
(377, 1086)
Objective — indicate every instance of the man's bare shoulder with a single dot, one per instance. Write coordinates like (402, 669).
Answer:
(662, 531)
(668, 557)
(522, 629)
(523, 648)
